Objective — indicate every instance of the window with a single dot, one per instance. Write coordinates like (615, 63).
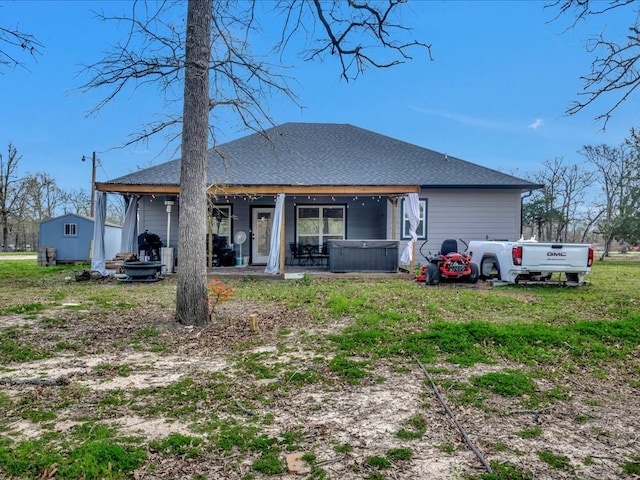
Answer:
(421, 231)
(221, 225)
(319, 223)
(70, 230)
(221, 220)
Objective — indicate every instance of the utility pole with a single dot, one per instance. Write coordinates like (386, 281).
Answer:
(93, 180)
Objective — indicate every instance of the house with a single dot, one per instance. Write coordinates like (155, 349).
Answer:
(71, 236)
(336, 181)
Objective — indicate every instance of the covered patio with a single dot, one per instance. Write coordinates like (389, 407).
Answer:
(271, 235)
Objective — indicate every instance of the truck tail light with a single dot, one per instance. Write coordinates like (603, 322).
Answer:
(516, 255)
(590, 258)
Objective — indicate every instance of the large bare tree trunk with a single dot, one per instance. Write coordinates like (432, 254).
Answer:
(191, 303)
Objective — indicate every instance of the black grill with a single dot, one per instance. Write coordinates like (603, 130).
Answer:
(150, 243)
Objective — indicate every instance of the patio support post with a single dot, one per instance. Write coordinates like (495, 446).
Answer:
(283, 251)
(394, 214)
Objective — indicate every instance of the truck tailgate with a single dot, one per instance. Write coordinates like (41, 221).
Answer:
(549, 256)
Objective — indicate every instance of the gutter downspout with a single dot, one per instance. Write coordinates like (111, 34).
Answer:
(522, 198)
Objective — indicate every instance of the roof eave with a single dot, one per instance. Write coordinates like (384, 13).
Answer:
(530, 186)
(263, 189)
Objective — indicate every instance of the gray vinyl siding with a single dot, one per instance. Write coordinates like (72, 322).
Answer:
(366, 219)
(153, 217)
(470, 214)
(467, 215)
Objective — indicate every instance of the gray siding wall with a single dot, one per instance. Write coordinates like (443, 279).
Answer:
(365, 216)
(153, 217)
(242, 222)
(467, 215)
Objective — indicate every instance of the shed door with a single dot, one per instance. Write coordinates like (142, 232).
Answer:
(261, 226)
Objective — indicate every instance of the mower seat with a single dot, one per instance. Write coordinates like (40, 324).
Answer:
(450, 245)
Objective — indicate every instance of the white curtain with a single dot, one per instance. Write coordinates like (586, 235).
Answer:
(273, 262)
(412, 207)
(129, 241)
(97, 259)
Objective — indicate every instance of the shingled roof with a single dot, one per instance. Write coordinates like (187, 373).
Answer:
(329, 154)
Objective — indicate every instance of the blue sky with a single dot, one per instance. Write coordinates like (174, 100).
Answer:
(495, 93)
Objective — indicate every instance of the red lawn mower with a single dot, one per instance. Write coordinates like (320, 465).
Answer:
(448, 264)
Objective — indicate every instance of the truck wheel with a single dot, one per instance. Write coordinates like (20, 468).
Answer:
(487, 269)
(433, 274)
(474, 275)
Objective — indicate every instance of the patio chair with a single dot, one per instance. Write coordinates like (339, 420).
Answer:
(297, 253)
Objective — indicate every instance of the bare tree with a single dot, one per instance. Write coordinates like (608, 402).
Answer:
(115, 210)
(41, 196)
(192, 306)
(575, 182)
(615, 69)
(617, 172)
(76, 201)
(9, 189)
(361, 34)
(552, 210)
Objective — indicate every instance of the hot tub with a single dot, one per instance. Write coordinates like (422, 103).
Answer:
(363, 256)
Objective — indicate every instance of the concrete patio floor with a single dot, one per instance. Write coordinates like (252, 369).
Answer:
(297, 271)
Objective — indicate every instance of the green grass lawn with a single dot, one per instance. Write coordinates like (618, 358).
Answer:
(491, 350)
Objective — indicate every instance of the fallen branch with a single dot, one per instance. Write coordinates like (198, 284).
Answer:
(453, 417)
(537, 413)
(244, 410)
(329, 461)
(61, 381)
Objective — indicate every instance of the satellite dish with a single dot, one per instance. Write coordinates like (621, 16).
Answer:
(239, 238)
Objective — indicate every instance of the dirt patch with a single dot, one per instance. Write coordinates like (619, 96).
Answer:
(595, 426)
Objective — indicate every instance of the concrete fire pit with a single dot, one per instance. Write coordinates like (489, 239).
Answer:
(142, 271)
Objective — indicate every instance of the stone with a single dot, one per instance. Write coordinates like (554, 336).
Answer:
(296, 465)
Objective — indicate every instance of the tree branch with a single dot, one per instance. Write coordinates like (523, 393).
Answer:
(241, 79)
(359, 29)
(614, 70)
(16, 39)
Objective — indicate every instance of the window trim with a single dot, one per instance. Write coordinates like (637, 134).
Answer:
(68, 227)
(421, 232)
(320, 206)
(222, 206)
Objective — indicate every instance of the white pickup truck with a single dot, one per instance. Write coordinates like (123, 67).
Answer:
(528, 261)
